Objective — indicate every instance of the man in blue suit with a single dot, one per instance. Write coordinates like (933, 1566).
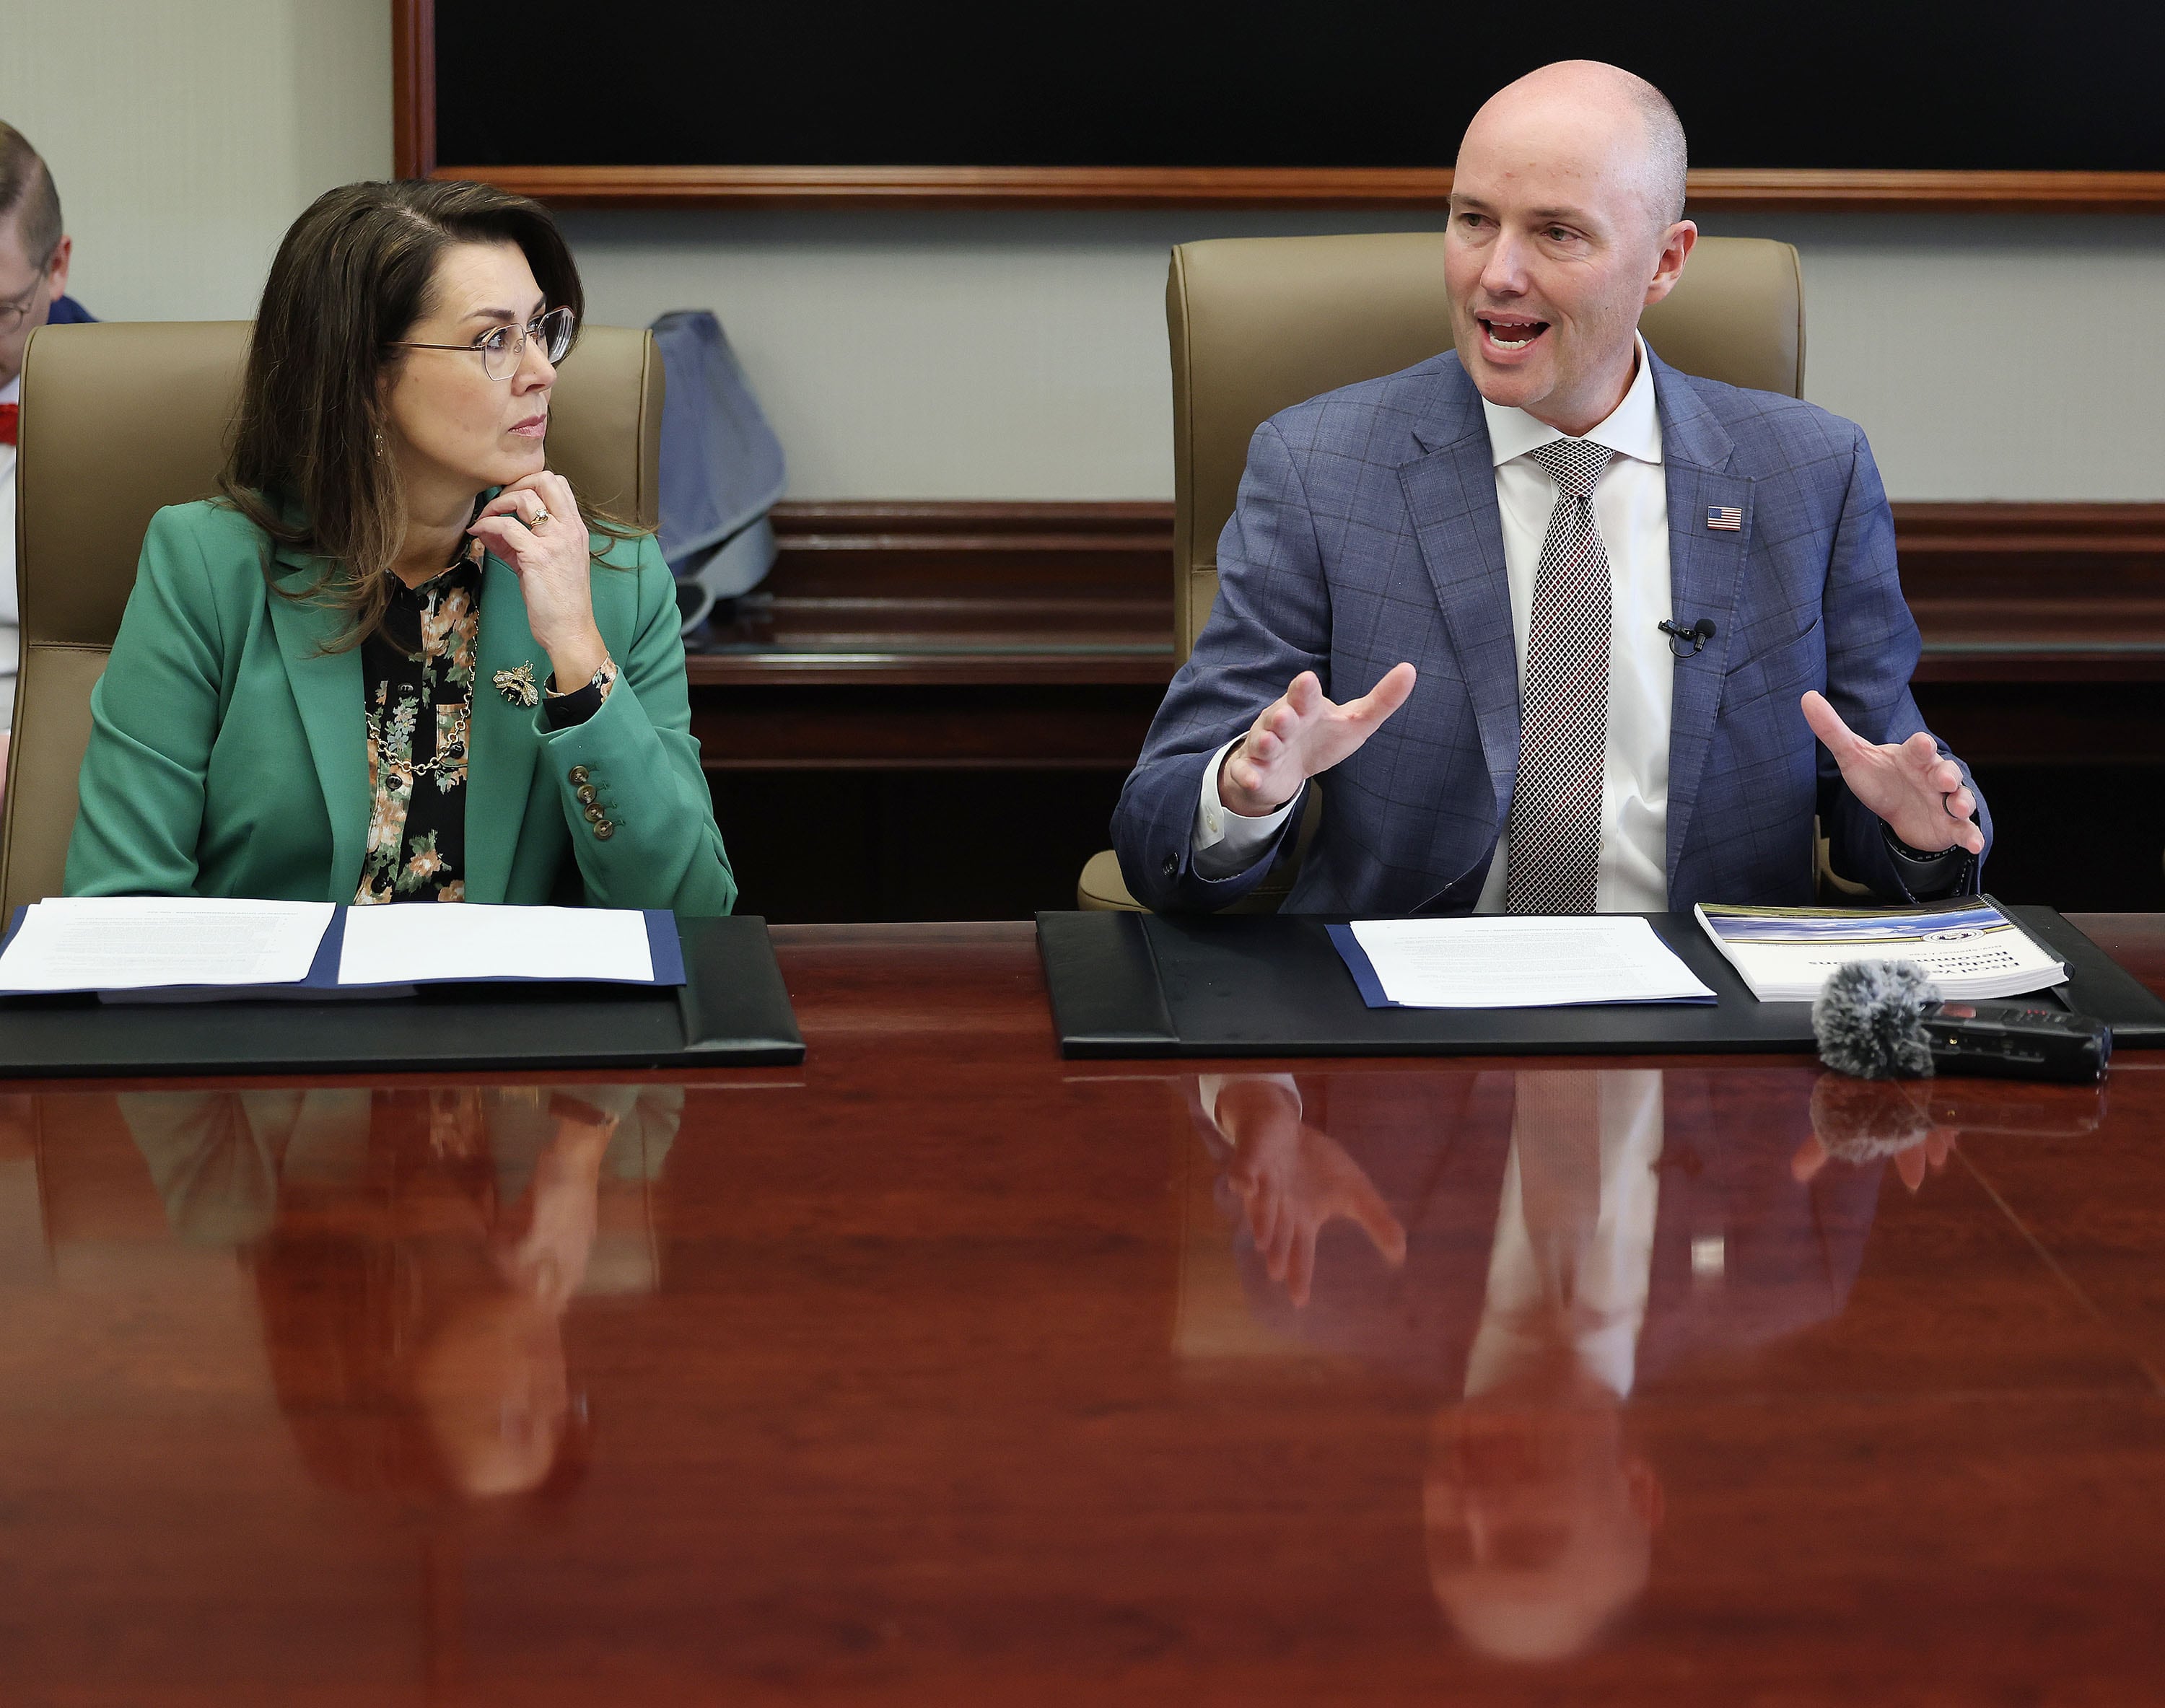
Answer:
(1477, 557)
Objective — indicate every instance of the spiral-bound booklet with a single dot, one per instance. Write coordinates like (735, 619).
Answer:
(1969, 948)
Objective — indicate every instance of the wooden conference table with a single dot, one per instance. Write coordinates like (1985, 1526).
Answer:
(939, 1370)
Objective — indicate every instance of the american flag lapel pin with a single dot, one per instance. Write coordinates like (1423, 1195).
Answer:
(1729, 518)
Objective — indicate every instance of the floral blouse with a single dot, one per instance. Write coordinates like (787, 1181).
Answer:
(418, 674)
(418, 682)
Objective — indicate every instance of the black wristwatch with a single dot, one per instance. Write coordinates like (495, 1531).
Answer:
(1917, 857)
(1895, 845)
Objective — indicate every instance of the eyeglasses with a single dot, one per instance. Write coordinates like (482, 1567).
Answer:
(501, 351)
(13, 314)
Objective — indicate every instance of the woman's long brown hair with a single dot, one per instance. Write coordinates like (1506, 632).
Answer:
(310, 466)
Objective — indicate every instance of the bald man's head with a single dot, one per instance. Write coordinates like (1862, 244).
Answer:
(1539, 1520)
(1619, 99)
(1566, 223)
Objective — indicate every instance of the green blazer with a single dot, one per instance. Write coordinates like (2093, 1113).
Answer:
(228, 755)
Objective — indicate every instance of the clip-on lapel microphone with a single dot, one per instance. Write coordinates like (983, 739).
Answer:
(1699, 634)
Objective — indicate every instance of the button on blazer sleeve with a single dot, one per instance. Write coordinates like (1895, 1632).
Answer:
(1271, 622)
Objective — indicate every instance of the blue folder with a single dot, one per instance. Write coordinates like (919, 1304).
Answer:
(1371, 988)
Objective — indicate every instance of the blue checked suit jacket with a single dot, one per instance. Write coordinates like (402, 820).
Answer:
(1367, 532)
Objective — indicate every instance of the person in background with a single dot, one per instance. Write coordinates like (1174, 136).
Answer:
(34, 252)
(395, 660)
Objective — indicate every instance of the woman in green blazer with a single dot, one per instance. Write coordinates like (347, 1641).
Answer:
(395, 662)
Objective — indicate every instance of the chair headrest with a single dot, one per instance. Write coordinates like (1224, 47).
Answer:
(120, 420)
(1259, 325)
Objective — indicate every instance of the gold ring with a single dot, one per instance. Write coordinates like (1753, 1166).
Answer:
(539, 518)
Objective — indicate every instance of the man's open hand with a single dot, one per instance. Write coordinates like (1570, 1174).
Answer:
(1300, 735)
(1918, 794)
(1293, 1181)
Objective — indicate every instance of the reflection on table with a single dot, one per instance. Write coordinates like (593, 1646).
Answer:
(414, 1253)
(1535, 1246)
(944, 1370)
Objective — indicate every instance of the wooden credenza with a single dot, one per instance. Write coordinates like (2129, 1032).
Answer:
(1017, 651)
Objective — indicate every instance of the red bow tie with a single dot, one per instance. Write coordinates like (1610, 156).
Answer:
(9, 412)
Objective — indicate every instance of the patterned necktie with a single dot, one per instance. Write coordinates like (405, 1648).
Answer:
(1555, 861)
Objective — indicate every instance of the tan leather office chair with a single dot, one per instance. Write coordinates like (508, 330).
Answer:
(1259, 324)
(119, 421)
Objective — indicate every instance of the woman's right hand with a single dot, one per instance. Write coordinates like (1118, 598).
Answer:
(548, 1261)
(552, 560)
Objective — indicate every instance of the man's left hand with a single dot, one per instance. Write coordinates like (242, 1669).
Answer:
(1918, 794)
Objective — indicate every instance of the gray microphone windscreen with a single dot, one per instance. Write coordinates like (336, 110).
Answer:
(1869, 1020)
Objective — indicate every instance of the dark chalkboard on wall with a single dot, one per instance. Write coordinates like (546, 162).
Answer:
(1833, 103)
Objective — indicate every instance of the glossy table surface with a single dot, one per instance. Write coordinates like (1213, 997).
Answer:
(942, 1370)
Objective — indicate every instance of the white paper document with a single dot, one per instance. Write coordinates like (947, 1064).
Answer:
(141, 942)
(1530, 961)
(396, 944)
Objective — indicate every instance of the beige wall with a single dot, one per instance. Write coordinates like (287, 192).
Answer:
(186, 135)
(1022, 354)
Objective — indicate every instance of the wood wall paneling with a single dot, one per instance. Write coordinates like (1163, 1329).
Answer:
(975, 634)
(952, 593)
(1811, 191)
(913, 677)
(2035, 593)
(1078, 595)
(926, 711)
(1724, 190)
(1022, 645)
(414, 87)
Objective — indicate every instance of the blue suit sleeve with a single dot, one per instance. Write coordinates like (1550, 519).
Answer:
(1872, 651)
(1271, 622)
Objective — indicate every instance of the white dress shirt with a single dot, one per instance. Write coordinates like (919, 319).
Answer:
(11, 638)
(1631, 506)
(1611, 1270)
